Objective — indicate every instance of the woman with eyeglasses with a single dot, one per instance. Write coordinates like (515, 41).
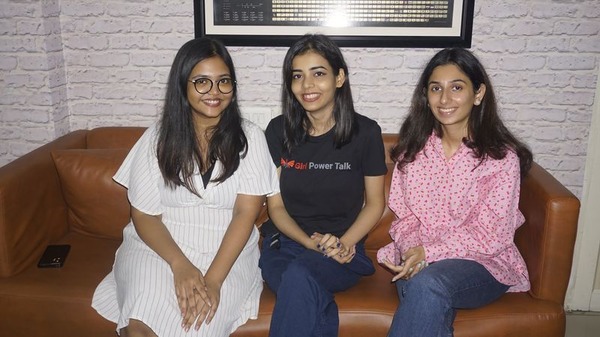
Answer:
(188, 264)
(332, 164)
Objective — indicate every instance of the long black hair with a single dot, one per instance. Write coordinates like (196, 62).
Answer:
(297, 124)
(487, 135)
(178, 151)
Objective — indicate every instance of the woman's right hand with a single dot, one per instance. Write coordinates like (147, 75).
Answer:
(331, 246)
(190, 286)
(191, 291)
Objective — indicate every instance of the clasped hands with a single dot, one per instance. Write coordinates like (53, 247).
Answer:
(413, 261)
(331, 246)
(198, 297)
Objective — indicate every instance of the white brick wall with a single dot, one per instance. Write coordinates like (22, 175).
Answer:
(71, 64)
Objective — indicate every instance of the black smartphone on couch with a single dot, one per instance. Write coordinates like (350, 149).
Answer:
(54, 256)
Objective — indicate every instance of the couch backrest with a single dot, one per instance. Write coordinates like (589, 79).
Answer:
(87, 185)
(546, 240)
(113, 137)
(96, 205)
(66, 185)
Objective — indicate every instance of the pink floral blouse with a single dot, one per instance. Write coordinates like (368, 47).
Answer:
(459, 208)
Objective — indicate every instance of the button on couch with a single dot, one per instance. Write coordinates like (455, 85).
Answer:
(62, 193)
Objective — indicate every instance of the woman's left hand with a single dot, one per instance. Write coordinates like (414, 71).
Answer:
(413, 261)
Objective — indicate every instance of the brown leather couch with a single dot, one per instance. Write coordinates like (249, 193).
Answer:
(63, 193)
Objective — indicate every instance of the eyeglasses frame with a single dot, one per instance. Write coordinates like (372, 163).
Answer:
(212, 83)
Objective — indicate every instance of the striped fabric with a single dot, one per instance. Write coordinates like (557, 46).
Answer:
(140, 286)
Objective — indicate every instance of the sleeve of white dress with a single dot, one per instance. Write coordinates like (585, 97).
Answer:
(140, 174)
(258, 173)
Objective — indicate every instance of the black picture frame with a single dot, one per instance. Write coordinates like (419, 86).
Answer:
(214, 18)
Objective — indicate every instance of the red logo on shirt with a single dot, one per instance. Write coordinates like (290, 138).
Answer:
(292, 164)
(287, 163)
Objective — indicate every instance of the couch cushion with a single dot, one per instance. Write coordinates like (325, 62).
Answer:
(97, 205)
(51, 302)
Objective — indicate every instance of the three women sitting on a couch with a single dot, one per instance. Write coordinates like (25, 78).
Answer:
(197, 179)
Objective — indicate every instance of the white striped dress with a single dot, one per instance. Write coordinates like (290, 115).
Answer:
(140, 286)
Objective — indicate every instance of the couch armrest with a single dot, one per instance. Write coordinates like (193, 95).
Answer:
(547, 238)
(32, 208)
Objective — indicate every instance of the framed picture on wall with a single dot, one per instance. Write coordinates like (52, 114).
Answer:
(351, 23)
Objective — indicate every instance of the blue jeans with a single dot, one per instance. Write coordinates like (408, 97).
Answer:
(304, 282)
(429, 300)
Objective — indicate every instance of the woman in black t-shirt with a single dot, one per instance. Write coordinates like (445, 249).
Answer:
(332, 164)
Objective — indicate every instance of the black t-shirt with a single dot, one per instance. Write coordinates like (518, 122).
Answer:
(323, 187)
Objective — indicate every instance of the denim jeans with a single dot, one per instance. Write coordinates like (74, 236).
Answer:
(429, 300)
(304, 282)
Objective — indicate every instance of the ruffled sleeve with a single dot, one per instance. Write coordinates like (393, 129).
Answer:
(140, 174)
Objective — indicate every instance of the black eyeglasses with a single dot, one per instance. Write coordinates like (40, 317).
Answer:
(204, 84)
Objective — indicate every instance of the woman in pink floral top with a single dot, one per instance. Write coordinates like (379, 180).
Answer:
(455, 193)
